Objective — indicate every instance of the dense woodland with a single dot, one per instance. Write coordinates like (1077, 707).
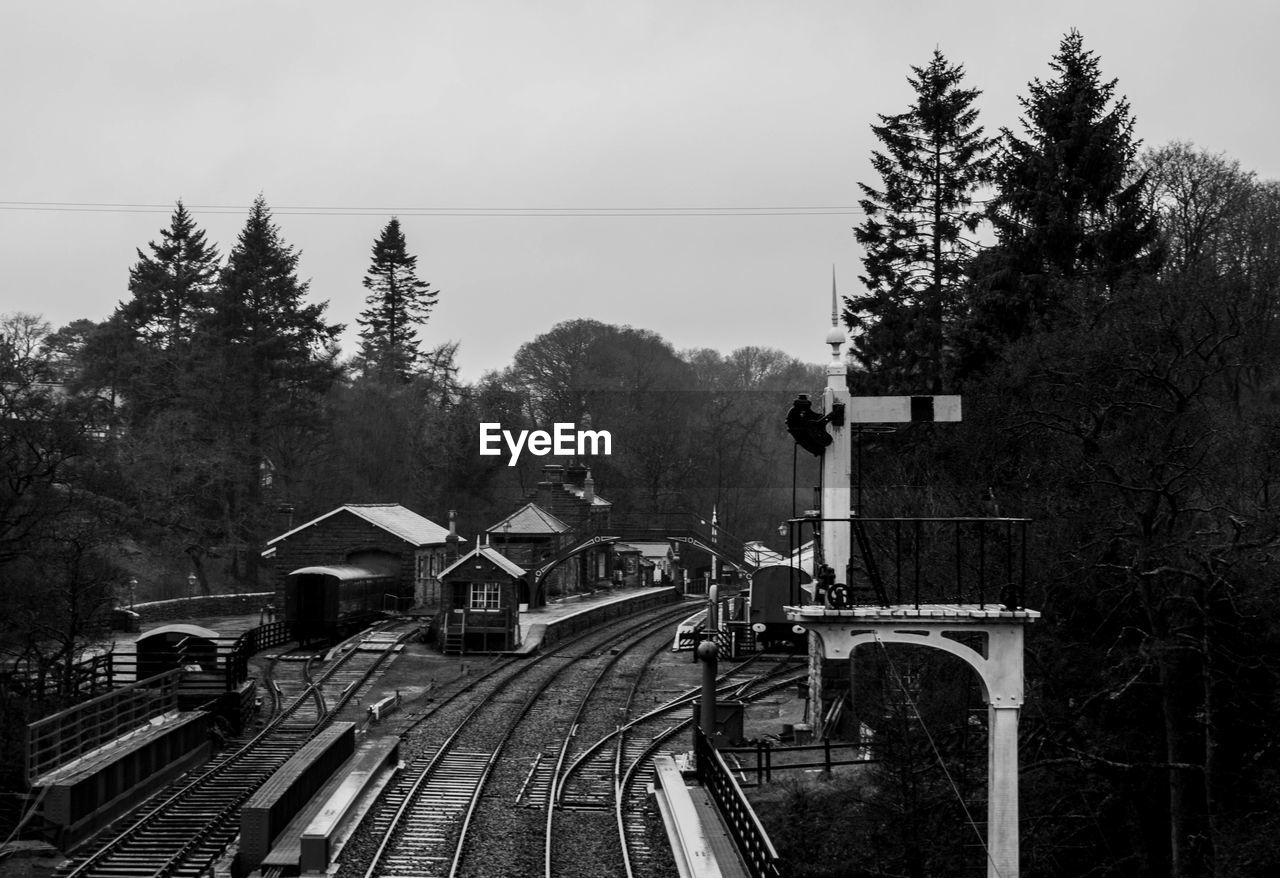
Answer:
(1109, 312)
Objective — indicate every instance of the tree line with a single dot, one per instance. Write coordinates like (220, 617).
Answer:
(213, 410)
(1109, 314)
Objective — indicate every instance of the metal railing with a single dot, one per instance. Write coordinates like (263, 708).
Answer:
(748, 833)
(928, 560)
(760, 758)
(69, 734)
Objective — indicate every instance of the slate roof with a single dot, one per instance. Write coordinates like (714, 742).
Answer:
(529, 520)
(504, 564)
(391, 517)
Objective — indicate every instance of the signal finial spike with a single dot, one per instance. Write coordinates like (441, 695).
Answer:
(835, 336)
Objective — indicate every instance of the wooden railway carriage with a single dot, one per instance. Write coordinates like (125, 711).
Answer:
(328, 602)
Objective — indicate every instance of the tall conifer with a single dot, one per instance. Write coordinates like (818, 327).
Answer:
(398, 302)
(918, 234)
(1070, 212)
(145, 352)
(1069, 198)
(270, 361)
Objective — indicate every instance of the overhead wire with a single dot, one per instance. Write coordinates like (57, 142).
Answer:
(444, 211)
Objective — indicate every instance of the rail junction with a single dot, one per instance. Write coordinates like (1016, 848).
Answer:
(540, 762)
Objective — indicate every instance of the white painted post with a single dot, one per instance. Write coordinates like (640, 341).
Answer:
(837, 478)
(1002, 791)
(1004, 679)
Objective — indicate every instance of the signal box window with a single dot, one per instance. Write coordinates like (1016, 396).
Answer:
(485, 596)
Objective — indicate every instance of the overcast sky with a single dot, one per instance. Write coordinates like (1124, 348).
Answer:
(541, 108)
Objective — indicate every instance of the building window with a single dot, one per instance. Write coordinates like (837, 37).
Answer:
(485, 595)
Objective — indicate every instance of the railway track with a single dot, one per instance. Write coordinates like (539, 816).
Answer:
(587, 790)
(647, 736)
(183, 830)
(424, 824)
(479, 800)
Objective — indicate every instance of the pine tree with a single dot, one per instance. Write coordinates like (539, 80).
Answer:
(919, 228)
(1069, 197)
(270, 360)
(398, 302)
(172, 285)
(147, 350)
(1070, 208)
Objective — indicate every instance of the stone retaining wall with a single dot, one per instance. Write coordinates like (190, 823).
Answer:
(196, 607)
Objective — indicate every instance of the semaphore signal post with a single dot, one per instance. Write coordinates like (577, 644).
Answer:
(882, 580)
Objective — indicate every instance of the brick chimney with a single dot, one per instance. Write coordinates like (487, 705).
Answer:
(575, 473)
(452, 540)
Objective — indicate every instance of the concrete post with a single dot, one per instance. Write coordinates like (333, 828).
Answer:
(1002, 792)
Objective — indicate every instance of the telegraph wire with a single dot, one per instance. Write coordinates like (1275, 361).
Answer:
(356, 211)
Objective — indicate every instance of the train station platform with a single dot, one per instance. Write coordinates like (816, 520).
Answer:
(544, 626)
(700, 841)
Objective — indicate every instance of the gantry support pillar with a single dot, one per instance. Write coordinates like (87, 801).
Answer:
(990, 641)
(1002, 791)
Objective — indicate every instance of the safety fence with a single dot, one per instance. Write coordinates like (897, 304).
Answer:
(748, 833)
(40, 681)
(69, 734)
(901, 561)
(762, 760)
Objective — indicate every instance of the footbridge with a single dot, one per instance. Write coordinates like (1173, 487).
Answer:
(642, 527)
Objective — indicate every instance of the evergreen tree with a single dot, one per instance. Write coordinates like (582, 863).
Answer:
(271, 360)
(1070, 210)
(145, 352)
(171, 286)
(397, 303)
(918, 230)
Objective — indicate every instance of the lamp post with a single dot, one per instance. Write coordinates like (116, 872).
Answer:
(133, 590)
(191, 584)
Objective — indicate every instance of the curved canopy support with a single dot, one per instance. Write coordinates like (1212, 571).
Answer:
(540, 573)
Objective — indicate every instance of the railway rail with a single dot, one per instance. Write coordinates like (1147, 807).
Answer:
(599, 778)
(459, 807)
(183, 830)
(507, 787)
(426, 821)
